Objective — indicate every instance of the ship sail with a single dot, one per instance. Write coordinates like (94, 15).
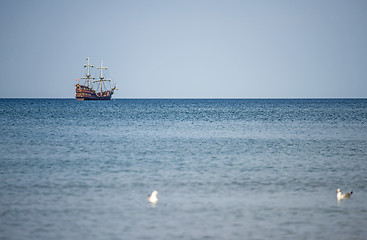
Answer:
(86, 92)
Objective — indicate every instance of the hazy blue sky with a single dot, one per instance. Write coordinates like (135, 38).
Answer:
(186, 49)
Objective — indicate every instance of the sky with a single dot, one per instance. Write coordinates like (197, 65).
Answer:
(186, 49)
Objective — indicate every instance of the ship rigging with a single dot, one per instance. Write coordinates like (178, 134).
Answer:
(86, 92)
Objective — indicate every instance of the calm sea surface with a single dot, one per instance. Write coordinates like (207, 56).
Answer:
(224, 169)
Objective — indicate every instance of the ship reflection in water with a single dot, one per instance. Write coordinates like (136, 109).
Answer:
(86, 92)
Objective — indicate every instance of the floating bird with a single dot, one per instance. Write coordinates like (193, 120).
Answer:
(153, 198)
(341, 195)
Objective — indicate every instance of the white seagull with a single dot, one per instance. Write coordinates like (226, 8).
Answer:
(341, 195)
(153, 198)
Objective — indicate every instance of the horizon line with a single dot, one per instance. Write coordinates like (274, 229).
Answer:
(199, 98)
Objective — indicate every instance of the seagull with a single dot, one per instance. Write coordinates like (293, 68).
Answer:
(341, 195)
(153, 198)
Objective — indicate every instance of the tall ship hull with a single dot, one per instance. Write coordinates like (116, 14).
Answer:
(85, 91)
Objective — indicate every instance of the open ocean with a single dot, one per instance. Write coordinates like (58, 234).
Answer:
(224, 169)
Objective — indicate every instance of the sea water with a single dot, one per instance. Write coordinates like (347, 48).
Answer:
(223, 169)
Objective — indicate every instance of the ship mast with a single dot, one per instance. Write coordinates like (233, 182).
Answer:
(101, 78)
(88, 76)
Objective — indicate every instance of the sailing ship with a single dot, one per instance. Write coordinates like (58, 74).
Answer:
(86, 92)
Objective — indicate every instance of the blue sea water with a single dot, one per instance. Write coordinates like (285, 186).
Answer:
(224, 169)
